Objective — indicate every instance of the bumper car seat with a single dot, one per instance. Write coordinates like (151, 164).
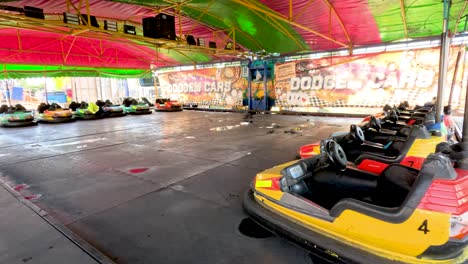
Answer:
(393, 185)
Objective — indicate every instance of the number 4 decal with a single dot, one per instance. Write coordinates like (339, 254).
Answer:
(423, 227)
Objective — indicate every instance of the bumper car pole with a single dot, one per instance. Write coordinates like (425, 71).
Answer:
(250, 108)
(457, 63)
(8, 92)
(45, 86)
(465, 116)
(465, 119)
(444, 47)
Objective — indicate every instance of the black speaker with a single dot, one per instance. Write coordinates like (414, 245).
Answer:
(129, 29)
(12, 8)
(84, 20)
(149, 27)
(110, 25)
(191, 40)
(35, 12)
(165, 26)
(200, 42)
(212, 44)
(71, 19)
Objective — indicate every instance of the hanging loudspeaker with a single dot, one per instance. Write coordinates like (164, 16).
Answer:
(110, 25)
(191, 40)
(129, 30)
(71, 19)
(149, 27)
(165, 26)
(34, 12)
(92, 19)
(200, 42)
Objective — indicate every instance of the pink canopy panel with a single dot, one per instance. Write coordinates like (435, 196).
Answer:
(83, 49)
(125, 12)
(343, 20)
(35, 47)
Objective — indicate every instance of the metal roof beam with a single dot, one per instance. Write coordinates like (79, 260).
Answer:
(340, 21)
(403, 17)
(303, 10)
(459, 17)
(290, 10)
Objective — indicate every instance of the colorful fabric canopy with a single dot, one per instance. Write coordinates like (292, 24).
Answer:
(274, 26)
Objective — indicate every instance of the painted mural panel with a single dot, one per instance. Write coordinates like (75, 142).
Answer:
(220, 87)
(362, 81)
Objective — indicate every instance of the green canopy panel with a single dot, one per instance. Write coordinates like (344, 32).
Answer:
(17, 71)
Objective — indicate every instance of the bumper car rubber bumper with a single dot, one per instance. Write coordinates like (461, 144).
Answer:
(19, 123)
(56, 120)
(320, 245)
(114, 114)
(87, 117)
(167, 109)
(141, 112)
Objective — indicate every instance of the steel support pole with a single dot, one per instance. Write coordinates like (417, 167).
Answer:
(457, 64)
(8, 92)
(465, 118)
(45, 85)
(265, 86)
(250, 86)
(75, 92)
(455, 73)
(5, 75)
(444, 48)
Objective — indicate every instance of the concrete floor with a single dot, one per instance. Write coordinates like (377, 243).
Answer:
(162, 188)
(27, 237)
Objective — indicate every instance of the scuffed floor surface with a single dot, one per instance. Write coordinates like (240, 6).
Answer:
(162, 188)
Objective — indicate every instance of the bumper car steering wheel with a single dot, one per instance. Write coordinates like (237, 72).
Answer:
(375, 123)
(336, 154)
(357, 134)
(392, 116)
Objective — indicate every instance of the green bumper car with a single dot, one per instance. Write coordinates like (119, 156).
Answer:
(16, 116)
(134, 107)
(86, 111)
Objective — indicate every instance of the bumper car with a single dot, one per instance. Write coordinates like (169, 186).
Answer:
(133, 107)
(110, 110)
(86, 111)
(347, 215)
(394, 118)
(410, 149)
(53, 114)
(378, 142)
(167, 105)
(16, 116)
